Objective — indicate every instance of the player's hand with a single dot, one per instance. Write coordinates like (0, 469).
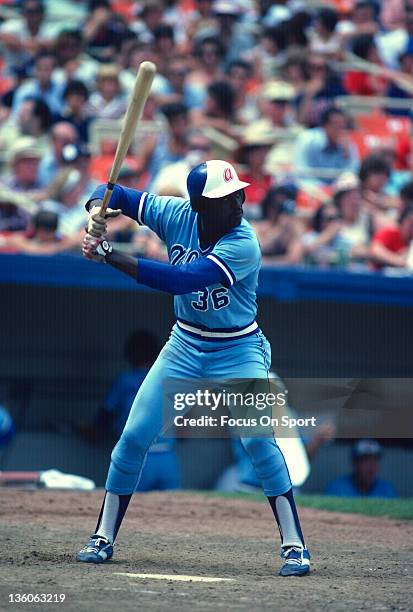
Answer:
(96, 249)
(96, 224)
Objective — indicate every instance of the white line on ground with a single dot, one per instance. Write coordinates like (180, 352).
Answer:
(177, 577)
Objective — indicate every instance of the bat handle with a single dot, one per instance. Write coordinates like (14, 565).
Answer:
(106, 198)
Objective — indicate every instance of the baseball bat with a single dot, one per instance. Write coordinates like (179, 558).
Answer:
(133, 113)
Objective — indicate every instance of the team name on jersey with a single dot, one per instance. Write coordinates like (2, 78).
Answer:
(182, 255)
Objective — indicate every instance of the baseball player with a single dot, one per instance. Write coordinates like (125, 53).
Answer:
(213, 272)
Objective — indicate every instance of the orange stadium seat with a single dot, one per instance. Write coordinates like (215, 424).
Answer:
(394, 125)
(368, 141)
(379, 130)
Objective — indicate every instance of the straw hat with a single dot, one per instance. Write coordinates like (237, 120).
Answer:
(278, 90)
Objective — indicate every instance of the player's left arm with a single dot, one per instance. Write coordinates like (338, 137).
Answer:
(177, 280)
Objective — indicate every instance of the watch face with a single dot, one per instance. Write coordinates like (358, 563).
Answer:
(105, 245)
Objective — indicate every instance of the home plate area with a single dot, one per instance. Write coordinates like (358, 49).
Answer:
(183, 551)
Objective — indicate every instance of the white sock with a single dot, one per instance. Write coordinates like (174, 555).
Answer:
(290, 535)
(108, 520)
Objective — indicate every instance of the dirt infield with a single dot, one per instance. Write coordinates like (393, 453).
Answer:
(359, 562)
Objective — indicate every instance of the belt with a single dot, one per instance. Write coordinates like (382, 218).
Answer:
(218, 334)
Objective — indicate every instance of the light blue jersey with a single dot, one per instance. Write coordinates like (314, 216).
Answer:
(228, 308)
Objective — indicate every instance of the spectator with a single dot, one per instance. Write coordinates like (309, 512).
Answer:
(397, 178)
(41, 237)
(277, 97)
(296, 30)
(390, 246)
(208, 53)
(164, 45)
(8, 88)
(406, 195)
(13, 217)
(359, 83)
(232, 33)
(280, 231)
(255, 146)
(33, 119)
(138, 53)
(356, 224)
(295, 72)
(176, 88)
(150, 16)
(63, 133)
(318, 92)
(324, 39)
(218, 111)
(361, 20)
(201, 19)
(325, 152)
(392, 14)
(364, 480)
(43, 85)
(269, 54)
(24, 165)
(7, 428)
(171, 180)
(70, 189)
(77, 111)
(239, 73)
(108, 101)
(395, 91)
(170, 145)
(72, 62)
(103, 31)
(24, 37)
(375, 172)
(393, 43)
(161, 470)
(322, 243)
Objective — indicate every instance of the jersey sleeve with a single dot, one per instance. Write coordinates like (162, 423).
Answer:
(237, 257)
(157, 212)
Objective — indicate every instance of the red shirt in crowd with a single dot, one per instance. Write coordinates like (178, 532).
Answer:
(362, 84)
(390, 237)
(257, 189)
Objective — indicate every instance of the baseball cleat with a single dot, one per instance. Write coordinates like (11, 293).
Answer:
(97, 550)
(296, 561)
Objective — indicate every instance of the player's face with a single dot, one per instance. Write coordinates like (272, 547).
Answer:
(218, 216)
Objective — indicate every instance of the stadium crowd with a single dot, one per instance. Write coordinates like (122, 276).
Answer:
(312, 101)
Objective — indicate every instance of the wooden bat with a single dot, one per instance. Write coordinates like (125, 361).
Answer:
(133, 113)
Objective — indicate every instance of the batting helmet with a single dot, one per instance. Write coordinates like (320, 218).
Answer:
(213, 179)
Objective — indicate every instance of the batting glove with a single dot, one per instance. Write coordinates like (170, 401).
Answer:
(96, 249)
(96, 224)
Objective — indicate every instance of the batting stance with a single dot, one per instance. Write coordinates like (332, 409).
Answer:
(213, 272)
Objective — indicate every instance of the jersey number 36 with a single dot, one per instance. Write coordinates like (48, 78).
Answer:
(219, 298)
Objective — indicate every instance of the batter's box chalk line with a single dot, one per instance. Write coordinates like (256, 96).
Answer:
(175, 577)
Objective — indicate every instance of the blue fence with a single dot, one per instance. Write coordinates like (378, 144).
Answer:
(284, 284)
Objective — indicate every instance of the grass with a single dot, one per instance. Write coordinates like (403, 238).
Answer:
(398, 509)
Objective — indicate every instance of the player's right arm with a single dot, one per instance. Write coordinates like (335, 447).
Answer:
(148, 209)
(176, 280)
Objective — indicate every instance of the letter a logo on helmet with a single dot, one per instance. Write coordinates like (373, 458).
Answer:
(228, 176)
(213, 179)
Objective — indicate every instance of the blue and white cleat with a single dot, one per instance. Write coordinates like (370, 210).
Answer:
(296, 561)
(97, 550)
